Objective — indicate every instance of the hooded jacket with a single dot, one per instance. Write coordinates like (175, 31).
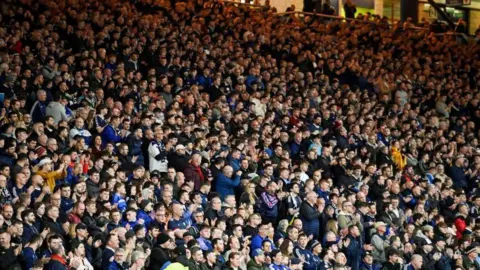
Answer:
(57, 111)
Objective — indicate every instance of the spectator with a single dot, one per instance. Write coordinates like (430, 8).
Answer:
(309, 213)
(226, 181)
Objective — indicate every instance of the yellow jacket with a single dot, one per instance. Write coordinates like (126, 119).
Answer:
(398, 158)
(50, 177)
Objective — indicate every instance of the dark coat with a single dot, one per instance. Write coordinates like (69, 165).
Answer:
(158, 258)
(107, 255)
(179, 162)
(192, 174)
(54, 226)
(310, 218)
(354, 252)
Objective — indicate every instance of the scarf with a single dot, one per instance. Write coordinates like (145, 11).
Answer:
(58, 258)
(200, 173)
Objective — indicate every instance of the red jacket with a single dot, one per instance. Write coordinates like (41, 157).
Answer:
(460, 224)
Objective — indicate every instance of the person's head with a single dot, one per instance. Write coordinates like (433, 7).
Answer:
(78, 249)
(354, 231)
(138, 259)
(218, 245)
(54, 241)
(5, 238)
(91, 207)
(298, 224)
(28, 216)
(113, 241)
(7, 211)
(81, 231)
(392, 255)
(259, 256)
(416, 261)
(234, 259)
(120, 256)
(53, 212)
(277, 256)
(197, 254)
(303, 240)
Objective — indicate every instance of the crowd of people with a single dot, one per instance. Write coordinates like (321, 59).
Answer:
(207, 135)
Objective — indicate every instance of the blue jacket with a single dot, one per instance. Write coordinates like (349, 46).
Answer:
(310, 218)
(121, 203)
(458, 176)
(235, 163)
(115, 266)
(38, 111)
(278, 267)
(364, 266)
(226, 186)
(110, 135)
(70, 179)
(66, 205)
(28, 232)
(28, 258)
(354, 252)
(142, 215)
(308, 255)
(135, 149)
(6, 159)
(106, 256)
(313, 262)
(256, 242)
(206, 82)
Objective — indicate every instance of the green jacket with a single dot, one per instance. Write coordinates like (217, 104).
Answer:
(252, 265)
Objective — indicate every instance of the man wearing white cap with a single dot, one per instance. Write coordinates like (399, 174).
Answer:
(178, 159)
(379, 242)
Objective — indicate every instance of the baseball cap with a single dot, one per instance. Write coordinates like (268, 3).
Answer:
(258, 252)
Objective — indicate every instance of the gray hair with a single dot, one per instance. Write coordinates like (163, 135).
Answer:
(137, 255)
(282, 225)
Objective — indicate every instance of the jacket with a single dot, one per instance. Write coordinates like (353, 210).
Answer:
(135, 149)
(93, 189)
(28, 232)
(107, 258)
(115, 266)
(310, 218)
(226, 186)
(110, 135)
(54, 226)
(354, 252)
(192, 174)
(252, 265)
(157, 156)
(364, 266)
(269, 205)
(345, 220)
(460, 225)
(51, 177)
(179, 162)
(56, 263)
(38, 111)
(379, 244)
(57, 111)
(158, 258)
(28, 258)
